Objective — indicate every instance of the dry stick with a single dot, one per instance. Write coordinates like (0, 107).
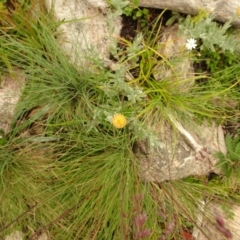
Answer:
(182, 208)
(16, 219)
(41, 230)
(63, 215)
(196, 223)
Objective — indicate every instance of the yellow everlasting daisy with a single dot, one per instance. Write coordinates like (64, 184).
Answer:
(118, 120)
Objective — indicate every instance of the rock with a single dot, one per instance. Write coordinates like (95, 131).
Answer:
(43, 236)
(10, 92)
(101, 4)
(186, 148)
(222, 9)
(181, 152)
(181, 72)
(229, 217)
(17, 235)
(87, 32)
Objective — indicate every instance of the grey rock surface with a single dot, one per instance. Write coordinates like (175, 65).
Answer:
(16, 235)
(10, 92)
(86, 31)
(222, 9)
(185, 150)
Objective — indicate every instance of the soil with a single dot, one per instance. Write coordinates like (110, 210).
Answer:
(132, 27)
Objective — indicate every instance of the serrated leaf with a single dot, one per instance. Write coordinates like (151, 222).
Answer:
(237, 151)
(209, 31)
(119, 4)
(228, 141)
(235, 141)
(234, 157)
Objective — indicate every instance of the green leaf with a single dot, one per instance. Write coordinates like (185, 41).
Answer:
(145, 11)
(222, 160)
(228, 172)
(171, 20)
(237, 149)
(3, 141)
(139, 13)
(119, 5)
(228, 141)
(235, 141)
(136, 3)
(235, 155)
(128, 11)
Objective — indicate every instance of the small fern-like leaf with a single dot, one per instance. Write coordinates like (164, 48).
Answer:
(235, 141)
(236, 153)
(233, 146)
(237, 149)
(228, 141)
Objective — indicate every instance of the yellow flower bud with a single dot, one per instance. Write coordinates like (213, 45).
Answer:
(118, 120)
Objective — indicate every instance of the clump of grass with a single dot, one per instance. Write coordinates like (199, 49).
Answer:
(75, 176)
(65, 168)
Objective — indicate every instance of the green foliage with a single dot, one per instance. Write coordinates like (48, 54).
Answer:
(2, 4)
(173, 18)
(217, 60)
(119, 6)
(210, 33)
(132, 53)
(141, 14)
(131, 9)
(78, 177)
(82, 180)
(217, 51)
(230, 164)
(3, 140)
(3, 9)
(141, 57)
